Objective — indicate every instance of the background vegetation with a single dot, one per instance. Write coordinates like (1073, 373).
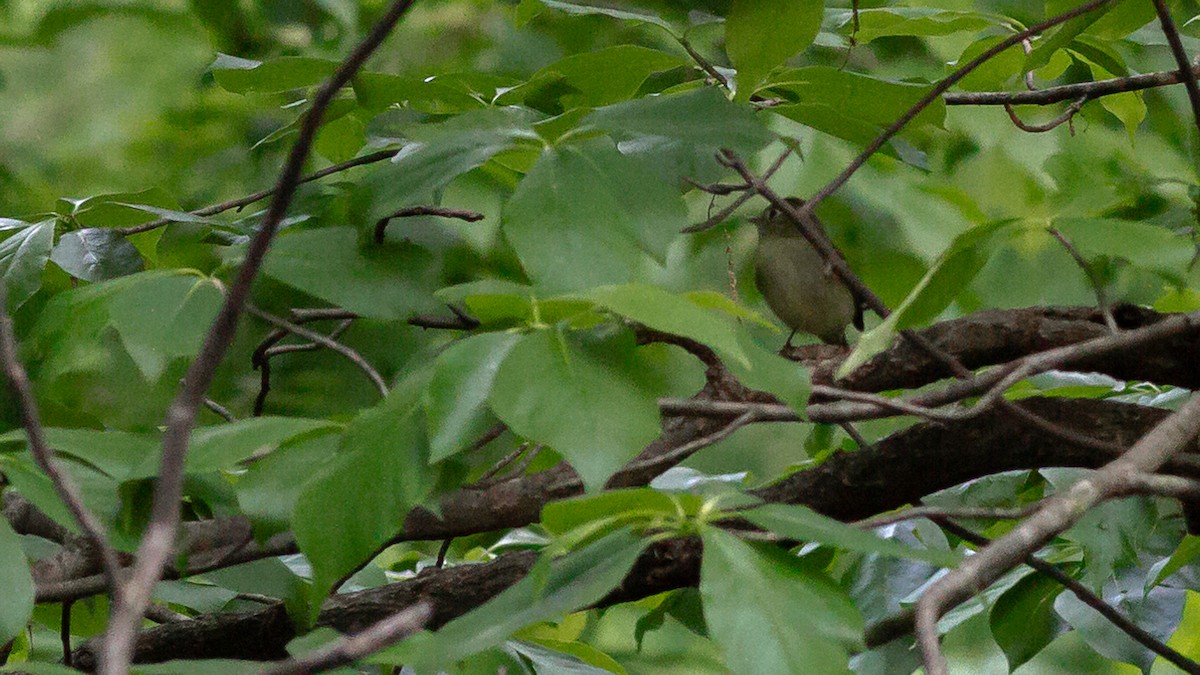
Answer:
(557, 314)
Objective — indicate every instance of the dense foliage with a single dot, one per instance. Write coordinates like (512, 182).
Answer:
(485, 382)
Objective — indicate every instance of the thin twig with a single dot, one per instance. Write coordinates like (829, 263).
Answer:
(936, 92)
(724, 213)
(241, 202)
(1093, 278)
(220, 410)
(704, 63)
(157, 542)
(1181, 58)
(43, 454)
(410, 211)
(936, 512)
(324, 341)
(1048, 126)
(350, 648)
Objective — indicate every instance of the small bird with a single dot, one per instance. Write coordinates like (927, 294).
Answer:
(798, 285)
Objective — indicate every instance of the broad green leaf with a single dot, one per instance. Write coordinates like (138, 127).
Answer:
(17, 583)
(589, 401)
(769, 372)
(849, 105)
(23, 256)
(127, 209)
(589, 216)
(769, 614)
(702, 118)
(1146, 246)
(119, 454)
(456, 402)
(553, 588)
(595, 78)
(385, 281)
(762, 34)
(382, 465)
(804, 524)
(172, 214)
(161, 319)
(673, 314)
(1158, 612)
(1023, 619)
(243, 76)
(952, 272)
(440, 154)
(221, 446)
(1129, 107)
(439, 95)
(994, 74)
(557, 656)
(268, 490)
(341, 139)
(912, 21)
(1188, 550)
(640, 16)
(1045, 48)
(96, 255)
(99, 492)
(627, 506)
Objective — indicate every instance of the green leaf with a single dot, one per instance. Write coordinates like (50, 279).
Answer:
(385, 281)
(702, 118)
(912, 21)
(1129, 107)
(23, 256)
(673, 314)
(588, 401)
(769, 372)
(558, 656)
(762, 34)
(948, 277)
(1187, 551)
(17, 583)
(596, 78)
(771, 615)
(382, 463)
(1045, 48)
(1023, 619)
(96, 255)
(1146, 246)
(223, 445)
(163, 318)
(625, 506)
(456, 402)
(442, 153)
(121, 455)
(589, 216)
(804, 524)
(641, 16)
(849, 105)
(553, 588)
(243, 76)
(267, 492)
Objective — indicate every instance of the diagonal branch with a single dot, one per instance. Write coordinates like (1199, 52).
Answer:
(1058, 513)
(157, 542)
(1181, 57)
(936, 92)
(42, 453)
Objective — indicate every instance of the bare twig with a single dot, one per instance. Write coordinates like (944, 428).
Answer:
(1056, 515)
(935, 512)
(704, 63)
(353, 647)
(325, 341)
(936, 91)
(43, 454)
(1093, 278)
(1042, 128)
(241, 202)
(157, 542)
(1069, 92)
(748, 193)
(410, 211)
(220, 410)
(1181, 58)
